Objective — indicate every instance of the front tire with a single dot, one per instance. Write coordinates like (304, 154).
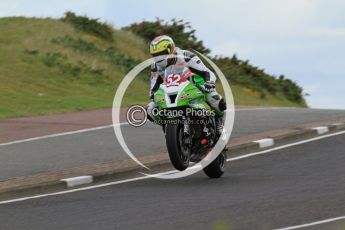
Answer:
(179, 153)
(216, 168)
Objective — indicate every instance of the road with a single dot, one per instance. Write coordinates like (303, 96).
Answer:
(100, 146)
(291, 186)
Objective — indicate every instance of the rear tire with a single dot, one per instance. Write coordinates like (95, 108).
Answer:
(179, 154)
(216, 168)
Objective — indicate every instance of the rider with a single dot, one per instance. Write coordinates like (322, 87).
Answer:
(164, 45)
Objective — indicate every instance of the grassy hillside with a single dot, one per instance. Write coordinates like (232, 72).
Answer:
(49, 66)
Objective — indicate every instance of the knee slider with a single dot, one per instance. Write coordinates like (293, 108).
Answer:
(149, 109)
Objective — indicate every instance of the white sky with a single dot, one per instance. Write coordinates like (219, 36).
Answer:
(302, 39)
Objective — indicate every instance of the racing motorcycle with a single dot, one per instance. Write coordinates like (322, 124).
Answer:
(187, 120)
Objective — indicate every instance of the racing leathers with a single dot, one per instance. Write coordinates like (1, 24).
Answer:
(194, 64)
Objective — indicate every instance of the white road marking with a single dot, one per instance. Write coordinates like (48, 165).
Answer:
(321, 130)
(104, 127)
(264, 143)
(60, 134)
(313, 223)
(168, 172)
(286, 146)
(74, 190)
(75, 181)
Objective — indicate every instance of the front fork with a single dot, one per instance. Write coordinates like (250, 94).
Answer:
(186, 131)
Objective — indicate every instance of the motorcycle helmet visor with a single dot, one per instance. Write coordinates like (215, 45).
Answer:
(164, 52)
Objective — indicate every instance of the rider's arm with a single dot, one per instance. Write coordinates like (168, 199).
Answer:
(156, 80)
(197, 66)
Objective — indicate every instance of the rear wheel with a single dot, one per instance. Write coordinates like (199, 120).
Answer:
(179, 152)
(216, 168)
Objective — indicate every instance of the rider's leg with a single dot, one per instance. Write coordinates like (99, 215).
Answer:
(149, 110)
(218, 104)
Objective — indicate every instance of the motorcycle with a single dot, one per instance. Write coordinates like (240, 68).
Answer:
(187, 120)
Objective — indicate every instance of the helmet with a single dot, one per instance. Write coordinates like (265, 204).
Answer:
(162, 45)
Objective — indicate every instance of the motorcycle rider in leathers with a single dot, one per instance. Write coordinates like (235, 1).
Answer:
(164, 45)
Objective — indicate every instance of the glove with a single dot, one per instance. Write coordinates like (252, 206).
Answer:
(209, 86)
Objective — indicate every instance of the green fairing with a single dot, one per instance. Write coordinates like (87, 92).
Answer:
(199, 80)
(188, 94)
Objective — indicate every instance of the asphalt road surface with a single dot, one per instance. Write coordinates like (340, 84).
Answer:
(101, 146)
(291, 186)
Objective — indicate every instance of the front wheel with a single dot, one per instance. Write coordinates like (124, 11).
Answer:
(179, 153)
(216, 168)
